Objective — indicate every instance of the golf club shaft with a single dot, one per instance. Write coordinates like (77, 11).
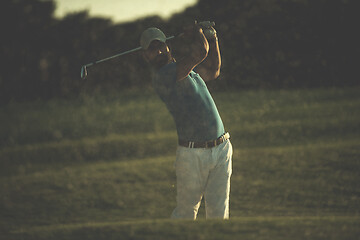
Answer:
(111, 57)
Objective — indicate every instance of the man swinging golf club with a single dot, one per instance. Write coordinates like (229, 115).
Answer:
(204, 154)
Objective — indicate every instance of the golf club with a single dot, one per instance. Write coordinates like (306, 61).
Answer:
(83, 72)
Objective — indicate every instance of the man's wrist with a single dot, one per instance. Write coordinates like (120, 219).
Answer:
(213, 40)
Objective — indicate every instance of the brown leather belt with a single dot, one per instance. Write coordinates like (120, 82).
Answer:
(208, 144)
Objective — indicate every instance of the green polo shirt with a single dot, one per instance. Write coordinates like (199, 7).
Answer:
(190, 103)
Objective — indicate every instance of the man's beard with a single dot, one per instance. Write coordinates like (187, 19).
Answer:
(161, 60)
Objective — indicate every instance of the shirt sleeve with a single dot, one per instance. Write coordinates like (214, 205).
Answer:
(165, 80)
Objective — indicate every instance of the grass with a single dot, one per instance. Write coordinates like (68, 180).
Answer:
(102, 168)
(239, 227)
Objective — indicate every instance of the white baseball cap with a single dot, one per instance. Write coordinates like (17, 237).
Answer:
(150, 35)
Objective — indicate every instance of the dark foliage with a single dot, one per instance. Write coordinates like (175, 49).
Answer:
(264, 44)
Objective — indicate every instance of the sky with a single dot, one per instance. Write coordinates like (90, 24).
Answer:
(123, 10)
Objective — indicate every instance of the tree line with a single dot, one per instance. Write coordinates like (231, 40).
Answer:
(264, 44)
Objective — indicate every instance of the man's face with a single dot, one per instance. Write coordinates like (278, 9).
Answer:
(158, 54)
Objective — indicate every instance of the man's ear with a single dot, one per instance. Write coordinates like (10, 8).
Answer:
(145, 56)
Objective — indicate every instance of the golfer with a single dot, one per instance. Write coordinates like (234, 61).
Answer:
(204, 154)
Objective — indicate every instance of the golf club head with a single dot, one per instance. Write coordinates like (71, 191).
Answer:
(83, 73)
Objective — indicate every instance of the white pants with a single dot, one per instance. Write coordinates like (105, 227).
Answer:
(203, 172)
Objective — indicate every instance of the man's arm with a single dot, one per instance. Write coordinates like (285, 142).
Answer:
(209, 69)
(198, 51)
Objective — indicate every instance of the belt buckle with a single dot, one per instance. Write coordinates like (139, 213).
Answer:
(227, 136)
